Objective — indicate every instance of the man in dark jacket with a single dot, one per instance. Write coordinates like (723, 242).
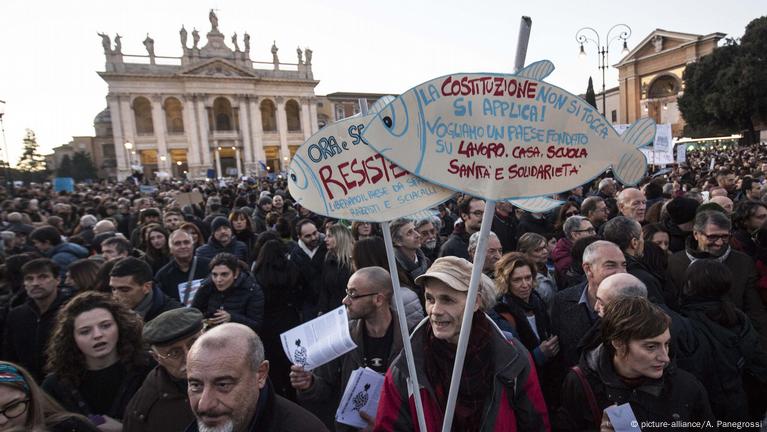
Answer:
(430, 239)
(131, 283)
(411, 261)
(29, 325)
(373, 328)
(182, 276)
(627, 234)
(161, 404)
(681, 213)
(308, 255)
(711, 236)
(505, 226)
(222, 240)
(228, 386)
(471, 211)
(48, 241)
(572, 309)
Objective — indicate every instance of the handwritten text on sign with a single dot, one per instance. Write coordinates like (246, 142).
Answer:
(483, 133)
(335, 173)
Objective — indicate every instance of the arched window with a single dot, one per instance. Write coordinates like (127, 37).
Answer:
(174, 116)
(293, 114)
(222, 114)
(268, 116)
(664, 86)
(142, 111)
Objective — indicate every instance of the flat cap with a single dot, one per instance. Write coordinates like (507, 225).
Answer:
(172, 325)
(454, 271)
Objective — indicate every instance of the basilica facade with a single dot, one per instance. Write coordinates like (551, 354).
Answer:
(211, 112)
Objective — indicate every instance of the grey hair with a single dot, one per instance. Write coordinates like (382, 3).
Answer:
(605, 182)
(395, 226)
(474, 240)
(592, 250)
(571, 224)
(487, 293)
(713, 217)
(668, 188)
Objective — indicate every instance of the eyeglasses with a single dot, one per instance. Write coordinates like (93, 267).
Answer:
(353, 295)
(724, 238)
(176, 353)
(15, 409)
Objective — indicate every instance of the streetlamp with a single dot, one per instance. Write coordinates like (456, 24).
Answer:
(6, 167)
(623, 33)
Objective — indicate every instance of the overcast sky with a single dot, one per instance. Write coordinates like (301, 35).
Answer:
(50, 51)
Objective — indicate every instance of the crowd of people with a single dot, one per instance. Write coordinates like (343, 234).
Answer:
(123, 311)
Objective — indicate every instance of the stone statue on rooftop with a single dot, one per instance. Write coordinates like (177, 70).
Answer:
(275, 59)
(234, 42)
(106, 43)
(149, 44)
(308, 56)
(118, 44)
(182, 34)
(300, 55)
(213, 21)
(195, 37)
(246, 41)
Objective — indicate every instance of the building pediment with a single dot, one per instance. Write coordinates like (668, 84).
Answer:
(217, 68)
(661, 41)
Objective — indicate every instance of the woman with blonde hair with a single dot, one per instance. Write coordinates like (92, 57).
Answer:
(520, 306)
(535, 247)
(25, 406)
(337, 268)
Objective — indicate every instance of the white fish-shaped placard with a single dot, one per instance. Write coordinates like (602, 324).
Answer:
(504, 136)
(336, 173)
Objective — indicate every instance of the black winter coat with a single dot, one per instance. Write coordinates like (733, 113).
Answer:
(27, 332)
(723, 358)
(244, 301)
(654, 286)
(310, 270)
(335, 276)
(743, 293)
(457, 244)
(676, 396)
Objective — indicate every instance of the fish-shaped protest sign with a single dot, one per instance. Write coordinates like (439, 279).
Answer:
(504, 136)
(336, 173)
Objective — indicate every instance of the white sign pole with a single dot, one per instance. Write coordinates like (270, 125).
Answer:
(400, 306)
(479, 261)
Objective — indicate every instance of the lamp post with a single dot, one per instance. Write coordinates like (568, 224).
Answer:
(6, 167)
(582, 36)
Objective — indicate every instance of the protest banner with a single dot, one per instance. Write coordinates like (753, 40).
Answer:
(64, 184)
(505, 136)
(336, 174)
(681, 153)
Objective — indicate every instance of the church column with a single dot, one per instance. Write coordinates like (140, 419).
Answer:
(282, 127)
(123, 166)
(313, 114)
(202, 124)
(306, 122)
(158, 120)
(257, 131)
(245, 131)
(219, 174)
(128, 121)
(237, 158)
(193, 147)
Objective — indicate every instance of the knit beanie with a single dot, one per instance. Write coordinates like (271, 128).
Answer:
(682, 210)
(218, 223)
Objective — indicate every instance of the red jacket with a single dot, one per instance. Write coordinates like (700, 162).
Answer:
(561, 257)
(516, 403)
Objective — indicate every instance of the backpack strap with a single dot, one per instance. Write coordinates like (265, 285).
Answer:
(592, 400)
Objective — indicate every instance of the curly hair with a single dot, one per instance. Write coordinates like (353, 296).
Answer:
(505, 267)
(65, 359)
